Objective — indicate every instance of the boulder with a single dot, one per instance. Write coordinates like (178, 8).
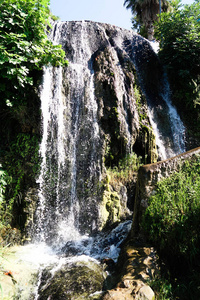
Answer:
(76, 280)
(145, 293)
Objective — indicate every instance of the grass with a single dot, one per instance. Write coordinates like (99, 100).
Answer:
(126, 169)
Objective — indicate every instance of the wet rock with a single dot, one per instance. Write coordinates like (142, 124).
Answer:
(137, 264)
(71, 281)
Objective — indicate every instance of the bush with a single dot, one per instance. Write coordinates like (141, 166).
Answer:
(179, 33)
(172, 219)
(172, 223)
(127, 167)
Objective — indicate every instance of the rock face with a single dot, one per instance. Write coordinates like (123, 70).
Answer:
(93, 116)
(149, 175)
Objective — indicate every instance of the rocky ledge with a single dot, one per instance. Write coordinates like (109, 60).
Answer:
(136, 267)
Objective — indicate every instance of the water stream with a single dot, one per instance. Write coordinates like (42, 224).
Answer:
(173, 143)
(166, 123)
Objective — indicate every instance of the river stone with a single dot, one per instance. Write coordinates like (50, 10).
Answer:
(145, 293)
(72, 281)
(118, 294)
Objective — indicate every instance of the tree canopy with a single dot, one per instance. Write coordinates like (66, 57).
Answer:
(179, 35)
(145, 13)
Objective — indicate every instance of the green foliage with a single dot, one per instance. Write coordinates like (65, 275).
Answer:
(24, 46)
(172, 217)
(7, 233)
(126, 168)
(179, 33)
(22, 157)
(22, 165)
(145, 12)
(162, 288)
(172, 223)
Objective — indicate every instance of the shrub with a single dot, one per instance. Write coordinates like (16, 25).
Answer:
(172, 219)
(126, 168)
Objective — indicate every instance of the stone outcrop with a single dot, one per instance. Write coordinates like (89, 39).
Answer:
(137, 265)
(149, 175)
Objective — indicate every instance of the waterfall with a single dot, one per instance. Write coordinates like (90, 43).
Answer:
(63, 146)
(73, 108)
(177, 127)
(87, 109)
(166, 123)
(90, 121)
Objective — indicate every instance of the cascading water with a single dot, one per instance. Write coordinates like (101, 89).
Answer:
(166, 123)
(62, 123)
(170, 134)
(70, 154)
(177, 127)
(72, 142)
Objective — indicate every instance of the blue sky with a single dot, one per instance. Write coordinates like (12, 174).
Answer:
(105, 11)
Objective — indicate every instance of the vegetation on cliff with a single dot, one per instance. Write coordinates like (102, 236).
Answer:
(25, 49)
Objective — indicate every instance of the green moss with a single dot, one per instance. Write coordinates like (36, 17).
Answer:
(110, 206)
(147, 135)
(140, 103)
(126, 169)
(74, 281)
(151, 154)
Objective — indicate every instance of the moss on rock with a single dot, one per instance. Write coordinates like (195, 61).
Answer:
(72, 281)
(110, 207)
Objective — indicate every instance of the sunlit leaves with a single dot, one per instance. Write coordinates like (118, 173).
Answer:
(179, 35)
(24, 46)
